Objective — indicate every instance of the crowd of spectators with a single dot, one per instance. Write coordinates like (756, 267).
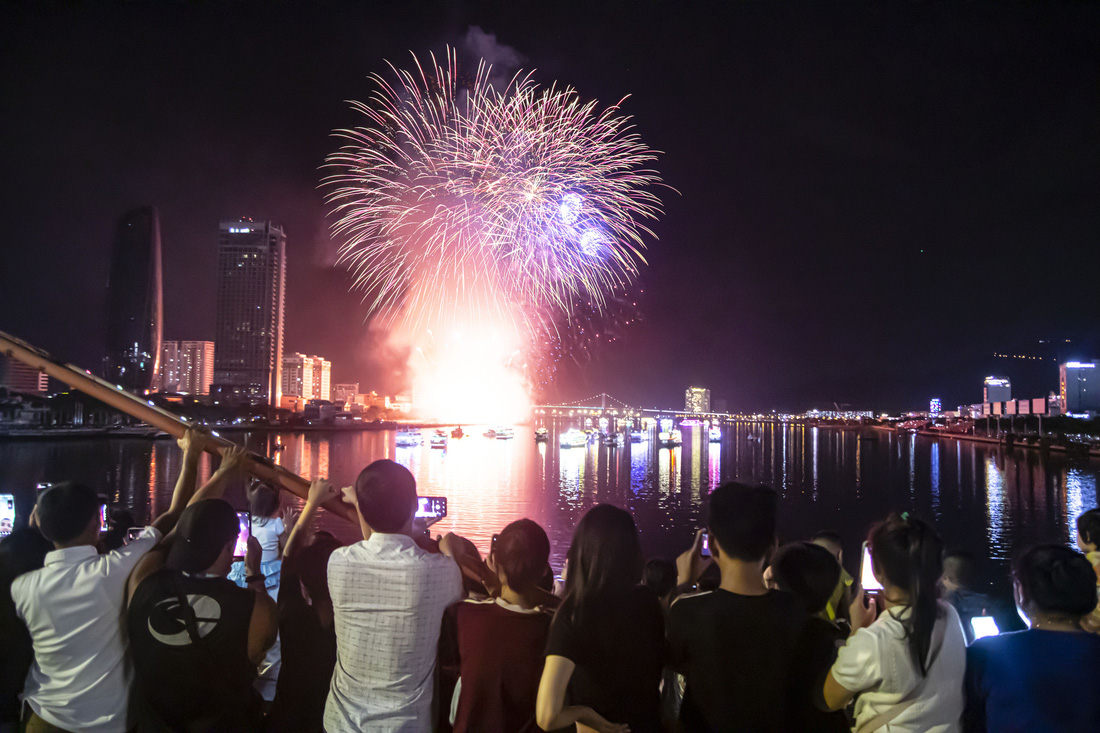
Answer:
(402, 632)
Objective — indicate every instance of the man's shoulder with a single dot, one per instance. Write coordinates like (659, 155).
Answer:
(25, 583)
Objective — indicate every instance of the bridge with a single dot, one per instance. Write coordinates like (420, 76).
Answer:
(604, 405)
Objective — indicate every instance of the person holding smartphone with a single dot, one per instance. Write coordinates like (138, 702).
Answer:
(1045, 678)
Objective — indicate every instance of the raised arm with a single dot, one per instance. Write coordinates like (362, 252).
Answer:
(320, 491)
(192, 444)
(233, 460)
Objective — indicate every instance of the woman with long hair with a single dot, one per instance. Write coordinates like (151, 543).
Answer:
(1042, 679)
(908, 664)
(606, 646)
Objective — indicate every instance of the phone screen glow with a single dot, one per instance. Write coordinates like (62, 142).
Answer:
(984, 626)
(242, 536)
(866, 576)
(7, 514)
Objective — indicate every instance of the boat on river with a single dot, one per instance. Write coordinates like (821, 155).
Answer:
(573, 438)
(670, 439)
(542, 435)
(505, 433)
(439, 440)
(408, 438)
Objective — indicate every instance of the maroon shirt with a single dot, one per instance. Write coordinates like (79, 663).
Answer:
(498, 653)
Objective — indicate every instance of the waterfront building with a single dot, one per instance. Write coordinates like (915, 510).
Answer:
(250, 312)
(1079, 387)
(696, 399)
(297, 376)
(134, 301)
(997, 389)
(935, 407)
(346, 393)
(16, 376)
(186, 366)
(322, 378)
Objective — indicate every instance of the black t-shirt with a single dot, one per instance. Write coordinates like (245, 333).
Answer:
(618, 647)
(191, 664)
(736, 654)
(308, 657)
(814, 656)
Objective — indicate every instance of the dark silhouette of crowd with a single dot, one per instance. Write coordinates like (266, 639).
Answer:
(166, 631)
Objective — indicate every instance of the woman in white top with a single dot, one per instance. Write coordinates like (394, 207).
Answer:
(907, 665)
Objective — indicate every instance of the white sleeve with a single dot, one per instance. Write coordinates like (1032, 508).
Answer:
(858, 666)
(122, 561)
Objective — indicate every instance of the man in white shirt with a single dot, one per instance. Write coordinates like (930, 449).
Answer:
(388, 597)
(80, 679)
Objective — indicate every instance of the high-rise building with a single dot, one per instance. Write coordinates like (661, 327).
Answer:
(1079, 386)
(250, 302)
(18, 377)
(935, 407)
(187, 366)
(134, 301)
(696, 399)
(307, 377)
(997, 389)
(297, 376)
(345, 393)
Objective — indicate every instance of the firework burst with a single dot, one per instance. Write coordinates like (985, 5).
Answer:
(461, 198)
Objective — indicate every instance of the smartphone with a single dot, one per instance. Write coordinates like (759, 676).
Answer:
(245, 519)
(103, 526)
(431, 509)
(493, 545)
(133, 533)
(867, 577)
(705, 549)
(984, 626)
(7, 514)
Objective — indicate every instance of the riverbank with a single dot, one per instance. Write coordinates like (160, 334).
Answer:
(1027, 441)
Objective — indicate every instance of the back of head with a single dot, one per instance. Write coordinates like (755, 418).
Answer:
(660, 576)
(263, 500)
(1088, 526)
(960, 568)
(807, 570)
(908, 553)
(312, 563)
(605, 555)
(1056, 580)
(743, 520)
(65, 510)
(831, 541)
(204, 529)
(522, 552)
(386, 493)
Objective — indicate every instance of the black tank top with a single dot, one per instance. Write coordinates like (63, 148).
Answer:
(189, 643)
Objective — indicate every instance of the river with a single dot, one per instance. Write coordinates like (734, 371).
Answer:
(982, 498)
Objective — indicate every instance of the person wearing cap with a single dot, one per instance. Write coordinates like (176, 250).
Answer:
(195, 636)
(80, 679)
(388, 598)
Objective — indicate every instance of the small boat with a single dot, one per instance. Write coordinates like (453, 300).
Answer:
(439, 440)
(490, 433)
(542, 435)
(671, 439)
(637, 436)
(505, 433)
(408, 438)
(457, 433)
(612, 440)
(573, 438)
(715, 435)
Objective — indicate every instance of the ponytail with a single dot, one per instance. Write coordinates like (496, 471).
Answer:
(910, 554)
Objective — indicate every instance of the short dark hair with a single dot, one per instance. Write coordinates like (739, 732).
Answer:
(743, 520)
(65, 510)
(808, 571)
(660, 575)
(312, 564)
(828, 540)
(960, 567)
(522, 552)
(386, 493)
(1056, 579)
(1088, 526)
(263, 500)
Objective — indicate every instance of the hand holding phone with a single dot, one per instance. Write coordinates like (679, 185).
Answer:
(704, 549)
(7, 514)
(241, 547)
(984, 626)
(430, 510)
(867, 579)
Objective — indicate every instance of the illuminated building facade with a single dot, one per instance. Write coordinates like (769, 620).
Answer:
(307, 377)
(696, 399)
(935, 407)
(16, 376)
(345, 393)
(250, 304)
(1079, 387)
(997, 389)
(186, 366)
(134, 301)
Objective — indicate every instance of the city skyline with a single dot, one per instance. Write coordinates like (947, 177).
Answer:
(924, 223)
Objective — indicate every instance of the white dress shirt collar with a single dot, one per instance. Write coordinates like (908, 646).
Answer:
(69, 555)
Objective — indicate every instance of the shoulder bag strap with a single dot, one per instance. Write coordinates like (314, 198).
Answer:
(887, 716)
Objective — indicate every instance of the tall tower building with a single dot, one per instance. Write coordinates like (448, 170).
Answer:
(250, 304)
(1079, 385)
(134, 301)
(322, 378)
(187, 366)
(696, 399)
(297, 376)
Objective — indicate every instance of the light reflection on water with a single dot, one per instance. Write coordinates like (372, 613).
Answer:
(981, 497)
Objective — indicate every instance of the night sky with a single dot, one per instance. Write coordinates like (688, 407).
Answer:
(874, 198)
